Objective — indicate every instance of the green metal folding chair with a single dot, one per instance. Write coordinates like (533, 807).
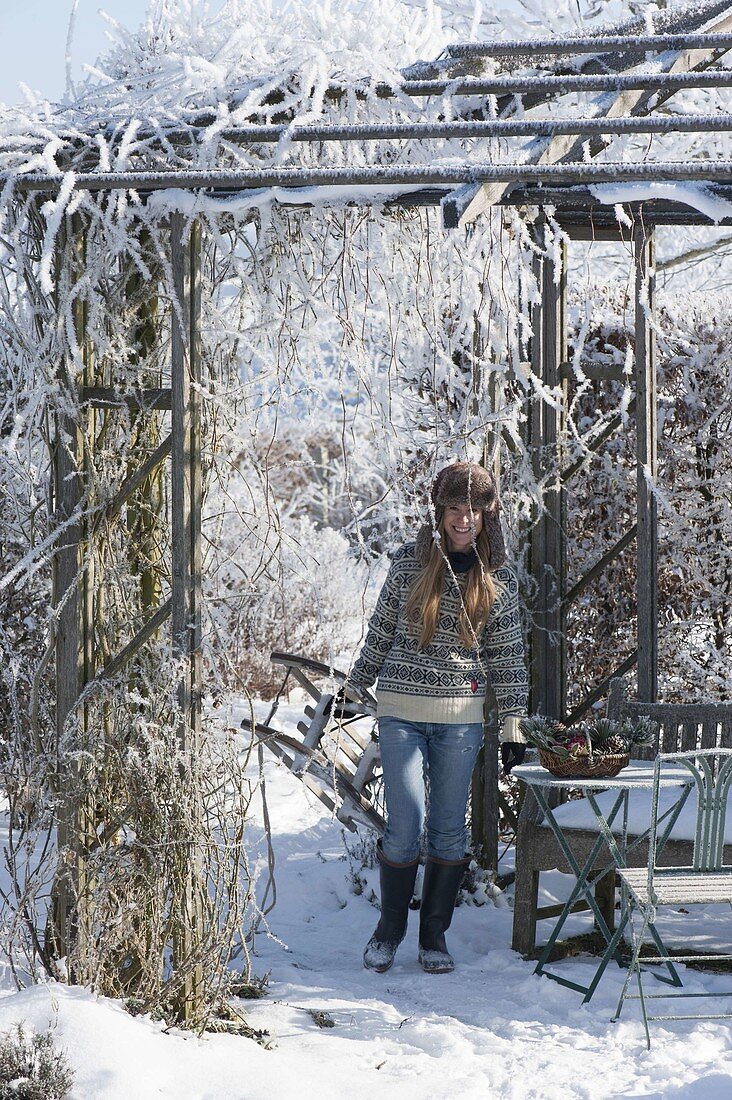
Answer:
(707, 881)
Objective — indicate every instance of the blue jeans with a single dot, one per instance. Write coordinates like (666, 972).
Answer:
(412, 754)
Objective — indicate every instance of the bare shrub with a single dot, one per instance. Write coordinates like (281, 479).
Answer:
(32, 1067)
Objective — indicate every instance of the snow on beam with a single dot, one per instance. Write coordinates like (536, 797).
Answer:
(564, 150)
(679, 19)
(592, 44)
(560, 85)
(297, 181)
(463, 203)
(506, 128)
(592, 208)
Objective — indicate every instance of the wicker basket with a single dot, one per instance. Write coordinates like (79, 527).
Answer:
(601, 767)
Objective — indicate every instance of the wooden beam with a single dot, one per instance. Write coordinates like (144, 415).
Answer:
(69, 643)
(547, 428)
(583, 44)
(549, 85)
(186, 574)
(135, 480)
(485, 795)
(584, 217)
(600, 566)
(116, 664)
(595, 372)
(600, 224)
(484, 792)
(595, 443)
(439, 129)
(103, 397)
(184, 585)
(458, 207)
(599, 690)
(381, 177)
(647, 462)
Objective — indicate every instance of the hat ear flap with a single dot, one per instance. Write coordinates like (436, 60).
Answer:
(423, 545)
(496, 545)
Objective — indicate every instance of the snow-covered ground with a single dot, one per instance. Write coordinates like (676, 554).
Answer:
(491, 1029)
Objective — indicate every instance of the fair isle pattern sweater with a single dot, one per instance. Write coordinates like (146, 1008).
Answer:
(445, 682)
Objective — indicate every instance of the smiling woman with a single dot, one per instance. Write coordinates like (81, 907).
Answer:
(446, 623)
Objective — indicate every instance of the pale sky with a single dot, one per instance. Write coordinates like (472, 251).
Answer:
(33, 36)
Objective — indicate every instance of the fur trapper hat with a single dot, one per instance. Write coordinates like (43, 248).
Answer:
(465, 483)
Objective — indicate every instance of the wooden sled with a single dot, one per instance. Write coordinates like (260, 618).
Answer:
(335, 756)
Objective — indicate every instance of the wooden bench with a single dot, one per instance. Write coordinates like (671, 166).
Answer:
(681, 727)
(336, 756)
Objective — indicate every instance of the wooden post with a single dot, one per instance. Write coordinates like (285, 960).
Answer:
(484, 793)
(74, 597)
(87, 809)
(546, 433)
(186, 568)
(146, 503)
(69, 653)
(647, 461)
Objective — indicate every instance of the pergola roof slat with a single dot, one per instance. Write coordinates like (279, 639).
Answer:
(343, 176)
(504, 128)
(631, 43)
(560, 84)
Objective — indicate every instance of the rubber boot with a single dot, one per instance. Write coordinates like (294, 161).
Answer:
(397, 887)
(439, 893)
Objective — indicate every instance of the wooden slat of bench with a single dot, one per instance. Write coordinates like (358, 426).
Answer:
(365, 770)
(662, 712)
(360, 737)
(688, 736)
(545, 911)
(726, 734)
(287, 748)
(336, 744)
(294, 661)
(668, 737)
(709, 734)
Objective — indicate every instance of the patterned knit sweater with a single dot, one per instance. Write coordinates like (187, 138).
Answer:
(445, 682)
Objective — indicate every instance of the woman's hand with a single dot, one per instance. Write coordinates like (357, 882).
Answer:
(512, 753)
(335, 704)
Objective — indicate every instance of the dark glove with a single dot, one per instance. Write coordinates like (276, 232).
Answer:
(512, 753)
(335, 704)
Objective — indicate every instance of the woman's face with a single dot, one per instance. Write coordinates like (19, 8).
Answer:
(462, 526)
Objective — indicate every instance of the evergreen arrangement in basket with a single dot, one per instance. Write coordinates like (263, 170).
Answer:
(599, 748)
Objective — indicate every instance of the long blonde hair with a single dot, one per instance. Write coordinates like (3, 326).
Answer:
(423, 602)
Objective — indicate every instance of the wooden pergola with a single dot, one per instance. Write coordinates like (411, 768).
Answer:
(619, 95)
